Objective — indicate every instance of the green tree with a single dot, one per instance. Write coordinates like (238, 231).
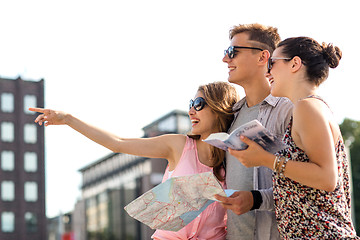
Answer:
(350, 130)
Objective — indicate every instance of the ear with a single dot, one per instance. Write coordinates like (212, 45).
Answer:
(296, 64)
(264, 57)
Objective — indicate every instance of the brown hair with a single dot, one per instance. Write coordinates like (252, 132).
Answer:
(317, 58)
(266, 37)
(220, 97)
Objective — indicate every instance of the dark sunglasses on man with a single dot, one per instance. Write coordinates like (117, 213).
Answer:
(231, 51)
(198, 103)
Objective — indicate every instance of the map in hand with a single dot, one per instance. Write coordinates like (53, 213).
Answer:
(176, 202)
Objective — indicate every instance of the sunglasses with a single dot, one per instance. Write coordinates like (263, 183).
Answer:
(271, 62)
(231, 51)
(198, 103)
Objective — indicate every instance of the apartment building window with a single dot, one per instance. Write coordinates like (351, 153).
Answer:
(7, 102)
(7, 160)
(31, 222)
(7, 132)
(29, 101)
(31, 191)
(7, 191)
(30, 133)
(7, 222)
(103, 210)
(91, 214)
(30, 162)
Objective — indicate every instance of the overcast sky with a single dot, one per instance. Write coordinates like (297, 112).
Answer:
(122, 64)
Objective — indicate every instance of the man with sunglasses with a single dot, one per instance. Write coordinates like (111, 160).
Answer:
(250, 210)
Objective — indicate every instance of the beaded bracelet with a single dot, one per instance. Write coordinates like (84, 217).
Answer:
(276, 163)
(282, 169)
(280, 165)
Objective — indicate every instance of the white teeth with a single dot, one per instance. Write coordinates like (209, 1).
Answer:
(194, 121)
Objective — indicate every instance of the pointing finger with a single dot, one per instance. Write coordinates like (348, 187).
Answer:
(40, 110)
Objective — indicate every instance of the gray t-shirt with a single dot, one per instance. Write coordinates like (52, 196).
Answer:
(239, 177)
(274, 114)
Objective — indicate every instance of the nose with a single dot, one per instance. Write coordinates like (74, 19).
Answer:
(267, 74)
(191, 111)
(226, 58)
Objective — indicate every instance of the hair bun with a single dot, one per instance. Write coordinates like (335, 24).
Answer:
(332, 55)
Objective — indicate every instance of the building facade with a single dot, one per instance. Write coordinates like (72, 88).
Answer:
(112, 182)
(22, 170)
(60, 227)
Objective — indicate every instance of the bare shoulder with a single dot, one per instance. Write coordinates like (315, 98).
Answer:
(309, 121)
(315, 116)
(308, 112)
(319, 113)
(311, 108)
(176, 141)
(175, 137)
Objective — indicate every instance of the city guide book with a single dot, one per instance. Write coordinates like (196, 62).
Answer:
(253, 130)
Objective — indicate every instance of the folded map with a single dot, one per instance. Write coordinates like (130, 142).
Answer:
(176, 202)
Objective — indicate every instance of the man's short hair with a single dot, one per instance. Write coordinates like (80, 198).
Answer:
(265, 37)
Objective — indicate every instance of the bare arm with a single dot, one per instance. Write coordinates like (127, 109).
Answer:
(312, 133)
(165, 146)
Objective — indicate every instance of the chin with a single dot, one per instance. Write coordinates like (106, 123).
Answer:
(192, 132)
(232, 81)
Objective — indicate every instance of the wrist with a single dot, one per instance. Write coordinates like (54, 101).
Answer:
(257, 199)
(270, 160)
(68, 118)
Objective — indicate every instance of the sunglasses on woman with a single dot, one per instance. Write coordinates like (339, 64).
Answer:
(198, 103)
(271, 62)
(231, 51)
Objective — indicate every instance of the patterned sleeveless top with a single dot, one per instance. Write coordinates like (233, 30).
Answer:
(304, 212)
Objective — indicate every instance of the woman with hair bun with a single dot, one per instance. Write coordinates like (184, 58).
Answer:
(311, 176)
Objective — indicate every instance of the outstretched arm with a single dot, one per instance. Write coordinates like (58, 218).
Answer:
(165, 146)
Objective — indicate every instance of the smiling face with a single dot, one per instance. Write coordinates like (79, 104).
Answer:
(280, 74)
(244, 65)
(203, 122)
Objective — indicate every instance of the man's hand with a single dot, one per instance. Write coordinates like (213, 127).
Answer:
(240, 202)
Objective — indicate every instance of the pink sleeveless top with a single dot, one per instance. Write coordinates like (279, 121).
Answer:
(211, 223)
